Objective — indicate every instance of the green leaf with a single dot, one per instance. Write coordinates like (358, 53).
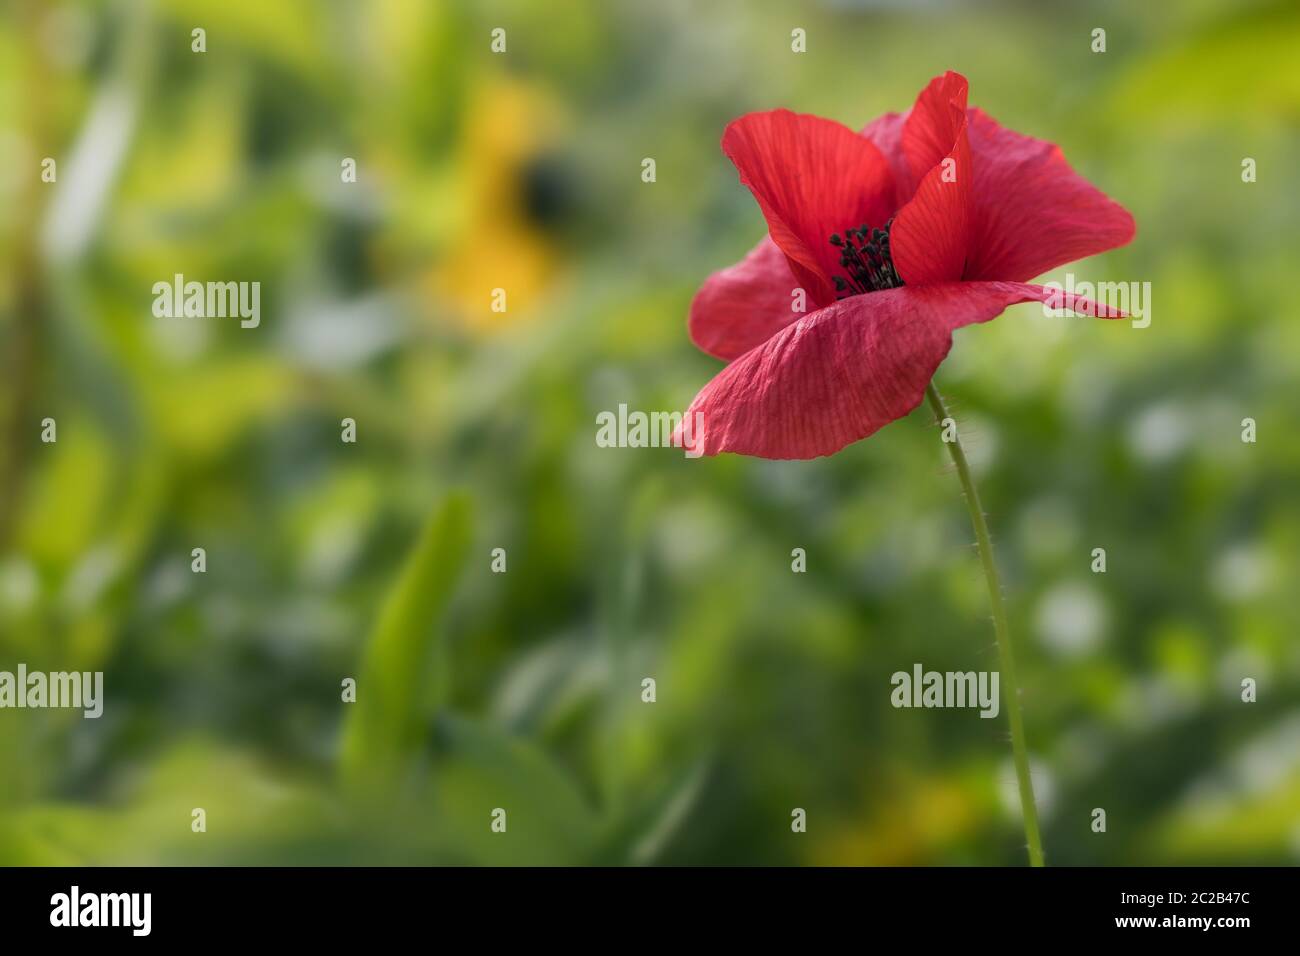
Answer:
(548, 819)
(387, 723)
(671, 815)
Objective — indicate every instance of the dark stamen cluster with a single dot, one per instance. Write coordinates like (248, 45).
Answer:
(864, 254)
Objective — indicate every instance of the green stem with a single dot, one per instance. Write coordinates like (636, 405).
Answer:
(1011, 686)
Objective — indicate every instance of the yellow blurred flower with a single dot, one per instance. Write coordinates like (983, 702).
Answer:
(927, 817)
(499, 261)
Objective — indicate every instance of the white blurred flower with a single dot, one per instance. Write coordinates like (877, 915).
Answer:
(1071, 618)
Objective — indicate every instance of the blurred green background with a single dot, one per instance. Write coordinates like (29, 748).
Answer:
(476, 430)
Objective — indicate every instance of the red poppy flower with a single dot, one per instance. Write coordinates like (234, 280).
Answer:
(921, 224)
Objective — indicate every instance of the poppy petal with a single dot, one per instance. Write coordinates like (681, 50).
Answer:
(812, 177)
(930, 128)
(887, 133)
(746, 304)
(1030, 211)
(931, 233)
(843, 372)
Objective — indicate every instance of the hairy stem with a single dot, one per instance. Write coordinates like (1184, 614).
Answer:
(1007, 660)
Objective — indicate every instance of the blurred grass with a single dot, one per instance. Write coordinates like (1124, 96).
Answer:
(385, 731)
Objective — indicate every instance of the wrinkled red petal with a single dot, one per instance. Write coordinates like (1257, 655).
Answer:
(887, 133)
(841, 373)
(1030, 211)
(930, 128)
(931, 233)
(812, 177)
(746, 304)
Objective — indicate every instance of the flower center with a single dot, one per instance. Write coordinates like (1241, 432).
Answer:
(864, 254)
